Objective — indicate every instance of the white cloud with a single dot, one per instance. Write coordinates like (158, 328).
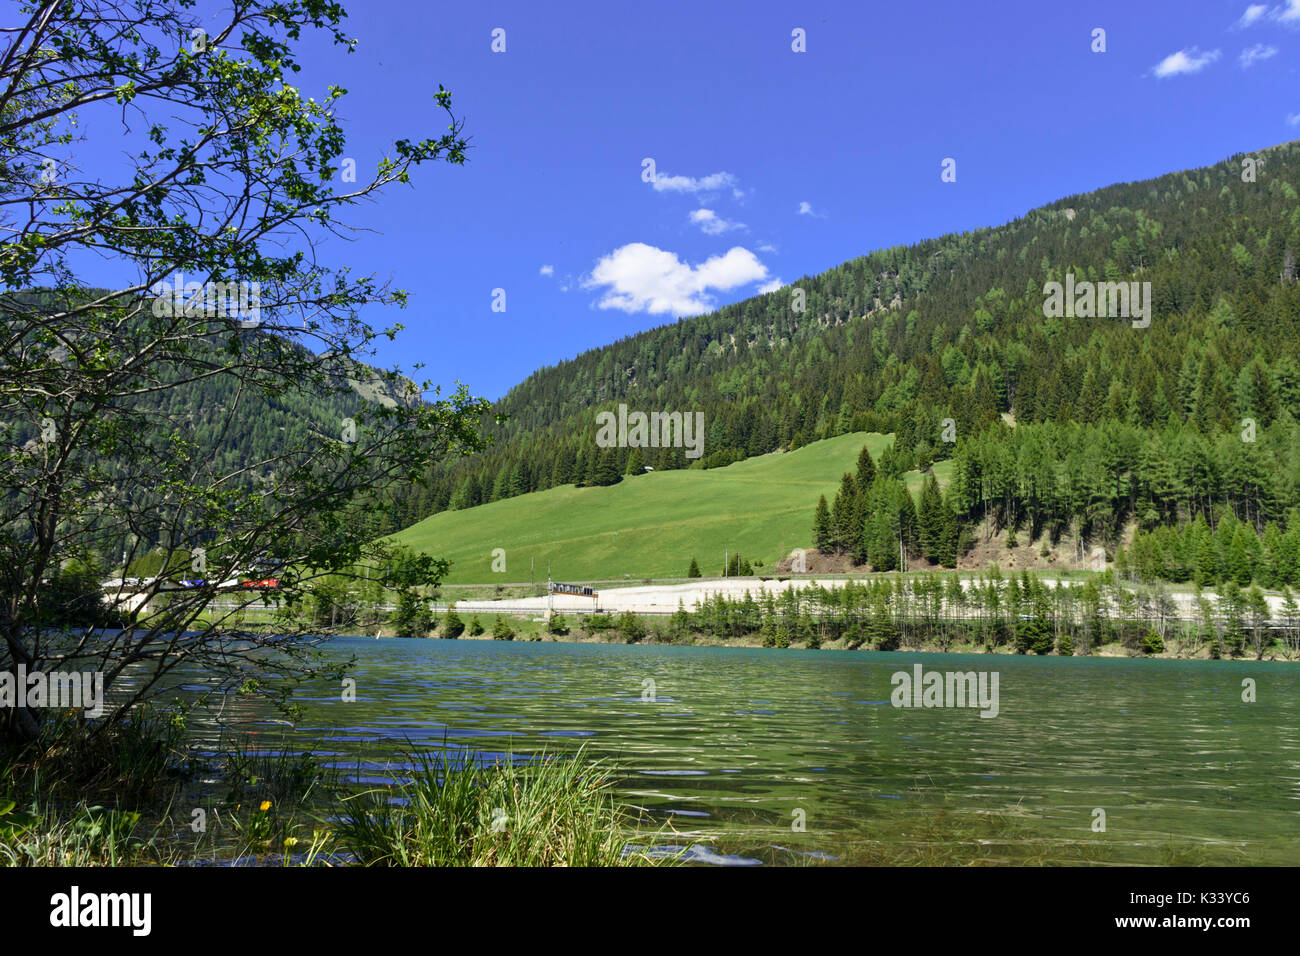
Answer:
(686, 184)
(1293, 119)
(806, 209)
(1253, 12)
(1190, 60)
(546, 271)
(1252, 55)
(771, 286)
(641, 278)
(711, 224)
(1289, 13)
(767, 247)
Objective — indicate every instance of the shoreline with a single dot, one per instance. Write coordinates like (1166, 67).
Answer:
(1116, 651)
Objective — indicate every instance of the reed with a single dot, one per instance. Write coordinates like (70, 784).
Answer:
(550, 811)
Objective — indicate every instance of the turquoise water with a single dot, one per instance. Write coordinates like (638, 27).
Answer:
(782, 756)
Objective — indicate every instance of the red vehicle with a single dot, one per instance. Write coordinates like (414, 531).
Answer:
(261, 583)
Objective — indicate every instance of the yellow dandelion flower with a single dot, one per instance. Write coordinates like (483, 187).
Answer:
(266, 805)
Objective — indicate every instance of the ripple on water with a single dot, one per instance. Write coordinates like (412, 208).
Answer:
(1167, 745)
(693, 854)
(674, 773)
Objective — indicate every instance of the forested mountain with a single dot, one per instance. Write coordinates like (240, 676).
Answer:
(1057, 424)
(244, 429)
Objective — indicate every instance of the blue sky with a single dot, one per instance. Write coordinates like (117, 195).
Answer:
(771, 164)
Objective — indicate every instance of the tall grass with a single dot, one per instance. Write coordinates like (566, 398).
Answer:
(281, 806)
(556, 811)
(132, 762)
(51, 791)
(43, 835)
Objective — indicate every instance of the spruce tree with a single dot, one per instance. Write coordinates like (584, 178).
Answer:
(767, 627)
(823, 535)
(606, 471)
(930, 520)
(635, 462)
(1239, 557)
(844, 513)
(866, 469)
(452, 626)
(501, 630)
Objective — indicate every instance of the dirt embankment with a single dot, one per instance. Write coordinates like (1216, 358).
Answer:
(1040, 554)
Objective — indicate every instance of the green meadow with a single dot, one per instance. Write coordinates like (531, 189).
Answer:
(651, 525)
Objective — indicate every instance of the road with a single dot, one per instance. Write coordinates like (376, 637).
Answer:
(664, 598)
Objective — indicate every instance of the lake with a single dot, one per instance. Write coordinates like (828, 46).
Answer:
(764, 756)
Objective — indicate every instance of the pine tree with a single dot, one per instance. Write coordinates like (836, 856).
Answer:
(808, 631)
(1262, 395)
(1291, 619)
(452, 626)
(582, 469)
(1207, 562)
(767, 628)
(844, 514)
(930, 520)
(823, 535)
(694, 570)
(1239, 557)
(880, 629)
(606, 471)
(866, 469)
(1088, 406)
(680, 623)
(501, 630)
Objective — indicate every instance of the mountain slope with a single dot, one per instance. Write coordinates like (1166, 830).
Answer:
(650, 525)
(899, 340)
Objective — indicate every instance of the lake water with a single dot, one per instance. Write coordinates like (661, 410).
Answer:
(792, 757)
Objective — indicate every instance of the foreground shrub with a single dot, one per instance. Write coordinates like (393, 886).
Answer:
(501, 630)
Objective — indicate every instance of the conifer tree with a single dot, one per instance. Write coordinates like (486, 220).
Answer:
(844, 514)
(866, 473)
(823, 534)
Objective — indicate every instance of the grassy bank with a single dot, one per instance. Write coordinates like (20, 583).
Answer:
(135, 796)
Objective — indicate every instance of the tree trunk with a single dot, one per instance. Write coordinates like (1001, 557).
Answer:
(19, 725)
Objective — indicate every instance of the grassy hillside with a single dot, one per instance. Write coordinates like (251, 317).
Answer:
(954, 327)
(1076, 425)
(653, 524)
